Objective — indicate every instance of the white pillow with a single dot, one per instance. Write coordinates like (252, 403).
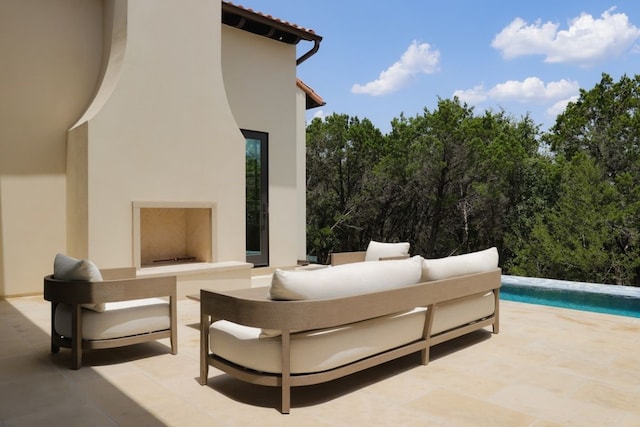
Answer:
(377, 250)
(346, 279)
(71, 269)
(459, 265)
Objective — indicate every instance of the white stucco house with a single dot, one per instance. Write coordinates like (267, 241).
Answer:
(150, 133)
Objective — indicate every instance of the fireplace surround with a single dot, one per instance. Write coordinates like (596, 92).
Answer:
(169, 233)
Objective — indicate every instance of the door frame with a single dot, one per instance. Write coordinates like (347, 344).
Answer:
(258, 257)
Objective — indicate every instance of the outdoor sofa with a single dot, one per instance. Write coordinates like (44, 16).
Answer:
(314, 326)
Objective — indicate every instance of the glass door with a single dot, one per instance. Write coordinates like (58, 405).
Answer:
(257, 197)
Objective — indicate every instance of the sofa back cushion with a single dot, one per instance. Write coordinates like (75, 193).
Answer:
(345, 280)
(377, 250)
(459, 265)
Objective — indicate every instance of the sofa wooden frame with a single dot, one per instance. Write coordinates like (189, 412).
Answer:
(118, 284)
(252, 307)
(339, 258)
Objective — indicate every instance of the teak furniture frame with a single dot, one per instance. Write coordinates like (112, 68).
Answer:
(251, 307)
(118, 285)
(338, 258)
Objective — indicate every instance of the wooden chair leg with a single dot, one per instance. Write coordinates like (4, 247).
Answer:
(173, 323)
(205, 321)
(286, 372)
(425, 355)
(76, 339)
(54, 347)
(496, 314)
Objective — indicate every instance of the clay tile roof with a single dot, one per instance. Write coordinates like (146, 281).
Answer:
(266, 25)
(313, 100)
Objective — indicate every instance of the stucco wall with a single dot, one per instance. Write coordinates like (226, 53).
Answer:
(51, 57)
(260, 78)
(164, 134)
(163, 131)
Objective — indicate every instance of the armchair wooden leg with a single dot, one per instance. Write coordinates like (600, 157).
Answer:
(54, 335)
(205, 321)
(76, 339)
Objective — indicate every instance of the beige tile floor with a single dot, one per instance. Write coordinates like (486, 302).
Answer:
(547, 367)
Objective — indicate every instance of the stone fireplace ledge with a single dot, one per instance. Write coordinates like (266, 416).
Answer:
(191, 277)
(194, 268)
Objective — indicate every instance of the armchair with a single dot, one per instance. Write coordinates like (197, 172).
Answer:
(115, 311)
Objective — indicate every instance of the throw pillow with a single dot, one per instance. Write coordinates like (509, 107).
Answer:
(377, 250)
(72, 269)
(345, 280)
(459, 265)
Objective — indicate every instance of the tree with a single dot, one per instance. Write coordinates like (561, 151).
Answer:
(340, 150)
(604, 125)
(573, 240)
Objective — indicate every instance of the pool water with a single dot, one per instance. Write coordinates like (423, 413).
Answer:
(611, 299)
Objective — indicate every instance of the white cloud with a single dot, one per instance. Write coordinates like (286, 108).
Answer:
(559, 107)
(472, 96)
(585, 42)
(417, 59)
(533, 89)
(319, 115)
(529, 90)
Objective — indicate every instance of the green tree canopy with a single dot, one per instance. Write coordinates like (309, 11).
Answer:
(451, 181)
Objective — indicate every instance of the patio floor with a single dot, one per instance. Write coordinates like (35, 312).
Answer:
(547, 367)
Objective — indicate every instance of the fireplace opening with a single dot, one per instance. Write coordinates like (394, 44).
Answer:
(173, 234)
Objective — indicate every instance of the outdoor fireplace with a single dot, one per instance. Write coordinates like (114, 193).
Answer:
(173, 233)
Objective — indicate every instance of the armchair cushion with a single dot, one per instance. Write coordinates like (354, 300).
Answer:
(83, 270)
(119, 319)
(377, 250)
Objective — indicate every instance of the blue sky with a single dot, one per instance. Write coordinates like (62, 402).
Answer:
(380, 59)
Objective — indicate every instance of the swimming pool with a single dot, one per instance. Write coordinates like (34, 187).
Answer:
(611, 299)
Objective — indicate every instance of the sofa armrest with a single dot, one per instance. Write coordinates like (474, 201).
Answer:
(338, 258)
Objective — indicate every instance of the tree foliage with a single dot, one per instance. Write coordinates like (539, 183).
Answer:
(562, 204)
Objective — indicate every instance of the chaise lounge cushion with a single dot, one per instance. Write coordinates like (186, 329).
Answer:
(345, 280)
(119, 319)
(83, 270)
(377, 250)
(459, 265)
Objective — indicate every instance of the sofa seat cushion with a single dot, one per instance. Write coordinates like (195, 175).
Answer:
(317, 350)
(345, 280)
(119, 319)
(451, 314)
